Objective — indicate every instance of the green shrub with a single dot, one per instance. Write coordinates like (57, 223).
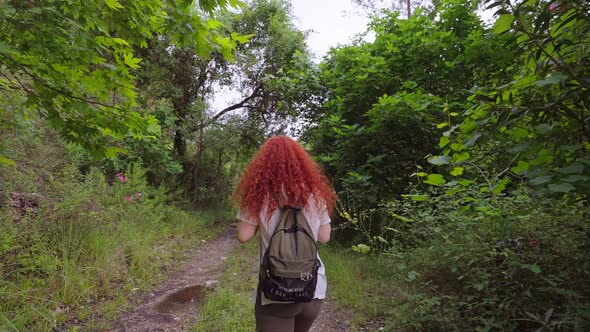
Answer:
(476, 275)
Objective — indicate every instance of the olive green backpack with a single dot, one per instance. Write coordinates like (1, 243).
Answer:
(289, 267)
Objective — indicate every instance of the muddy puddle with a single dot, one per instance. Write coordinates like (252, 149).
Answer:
(184, 300)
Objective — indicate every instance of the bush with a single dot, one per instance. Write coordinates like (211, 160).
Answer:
(484, 275)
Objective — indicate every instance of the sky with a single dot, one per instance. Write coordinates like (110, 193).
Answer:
(332, 22)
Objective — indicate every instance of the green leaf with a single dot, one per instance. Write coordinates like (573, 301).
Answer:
(457, 171)
(417, 198)
(575, 168)
(472, 139)
(131, 61)
(554, 78)
(466, 183)
(523, 82)
(392, 229)
(381, 239)
(402, 218)
(213, 24)
(439, 160)
(241, 38)
(533, 267)
(545, 157)
(435, 179)
(540, 180)
(361, 248)
(522, 166)
(457, 146)
(518, 133)
(460, 156)
(498, 188)
(412, 275)
(444, 140)
(561, 187)
(7, 49)
(7, 161)
(236, 3)
(503, 23)
(120, 41)
(113, 4)
(576, 178)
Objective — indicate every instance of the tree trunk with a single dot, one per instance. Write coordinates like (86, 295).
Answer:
(197, 170)
(179, 144)
(219, 174)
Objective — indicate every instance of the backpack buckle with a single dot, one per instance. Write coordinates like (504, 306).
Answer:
(306, 276)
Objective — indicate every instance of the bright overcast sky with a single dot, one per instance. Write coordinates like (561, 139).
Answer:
(333, 22)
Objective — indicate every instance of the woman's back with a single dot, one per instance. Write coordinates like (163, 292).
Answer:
(283, 174)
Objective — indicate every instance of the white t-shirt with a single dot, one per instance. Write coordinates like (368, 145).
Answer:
(316, 215)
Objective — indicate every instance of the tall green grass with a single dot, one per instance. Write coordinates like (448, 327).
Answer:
(361, 285)
(88, 248)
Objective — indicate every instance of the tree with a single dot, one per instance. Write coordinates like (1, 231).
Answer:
(72, 62)
(385, 98)
(269, 66)
(265, 69)
(538, 117)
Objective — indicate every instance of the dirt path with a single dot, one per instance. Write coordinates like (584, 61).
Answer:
(330, 320)
(175, 303)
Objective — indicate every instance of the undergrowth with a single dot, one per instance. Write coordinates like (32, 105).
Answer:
(520, 267)
(75, 247)
(359, 284)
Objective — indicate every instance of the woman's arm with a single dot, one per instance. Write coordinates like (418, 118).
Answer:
(246, 232)
(324, 233)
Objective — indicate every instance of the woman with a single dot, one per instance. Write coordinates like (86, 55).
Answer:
(283, 174)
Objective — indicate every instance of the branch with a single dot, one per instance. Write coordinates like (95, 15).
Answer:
(488, 181)
(234, 107)
(43, 81)
(563, 64)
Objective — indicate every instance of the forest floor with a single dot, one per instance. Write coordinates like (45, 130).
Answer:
(174, 304)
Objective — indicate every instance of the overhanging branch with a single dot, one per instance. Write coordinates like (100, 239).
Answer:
(233, 107)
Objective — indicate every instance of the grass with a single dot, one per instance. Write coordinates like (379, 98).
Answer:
(61, 278)
(360, 284)
(76, 263)
(230, 307)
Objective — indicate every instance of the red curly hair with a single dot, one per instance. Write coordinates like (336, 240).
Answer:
(282, 168)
